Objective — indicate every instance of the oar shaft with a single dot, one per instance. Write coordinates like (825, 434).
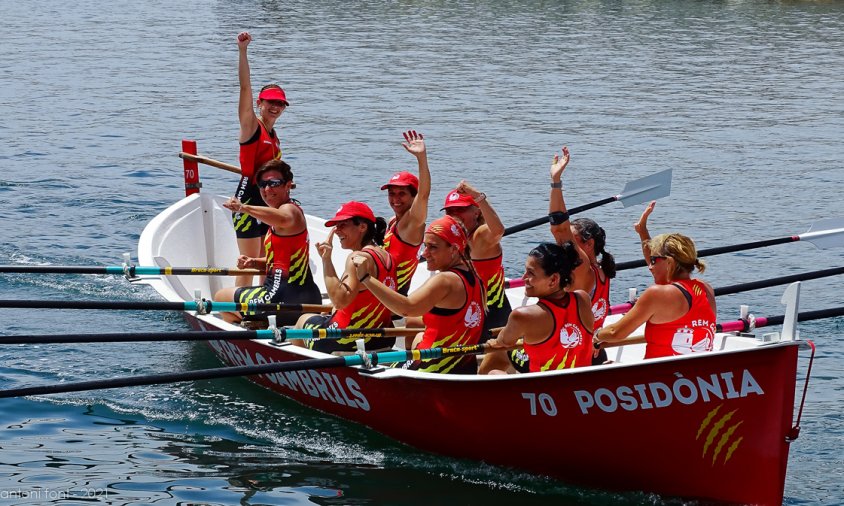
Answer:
(210, 161)
(132, 270)
(762, 321)
(621, 266)
(545, 219)
(130, 337)
(209, 305)
(784, 280)
(249, 370)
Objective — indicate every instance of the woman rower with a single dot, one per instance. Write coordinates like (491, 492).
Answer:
(557, 330)
(408, 197)
(355, 306)
(288, 273)
(485, 231)
(258, 145)
(593, 276)
(451, 302)
(678, 311)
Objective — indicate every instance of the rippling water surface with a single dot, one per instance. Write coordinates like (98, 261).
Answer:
(742, 99)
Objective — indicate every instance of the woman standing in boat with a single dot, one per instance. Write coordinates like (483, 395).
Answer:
(288, 273)
(557, 330)
(485, 231)
(258, 145)
(355, 306)
(451, 302)
(678, 311)
(408, 197)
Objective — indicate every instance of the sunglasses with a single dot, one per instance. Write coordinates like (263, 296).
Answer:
(654, 258)
(271, 183)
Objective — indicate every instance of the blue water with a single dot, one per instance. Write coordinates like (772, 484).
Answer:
(742, 99)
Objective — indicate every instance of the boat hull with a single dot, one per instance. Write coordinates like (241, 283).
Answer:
(711, 426)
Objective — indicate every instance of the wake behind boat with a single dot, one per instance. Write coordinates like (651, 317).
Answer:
(690, 426)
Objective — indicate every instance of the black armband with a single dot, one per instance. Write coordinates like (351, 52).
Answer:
(558, 217)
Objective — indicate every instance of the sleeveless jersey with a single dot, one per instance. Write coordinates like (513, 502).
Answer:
(569, 344)
(405, 256)
(454, 327)
(366, 311)
(600, 297)
(260, 149)
(288, 255)
(691, 333)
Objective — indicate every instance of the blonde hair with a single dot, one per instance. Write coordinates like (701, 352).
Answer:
(681, 249)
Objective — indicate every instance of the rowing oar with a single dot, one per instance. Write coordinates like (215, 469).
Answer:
(210, 161)
(277, 335)
(129, 270)
(753, 285)
(369, 359)
(202, 306)
(635, 192)
(213, 163)
(746, 325)
(826, 233)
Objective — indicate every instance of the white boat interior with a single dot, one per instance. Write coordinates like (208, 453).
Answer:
(197, 232)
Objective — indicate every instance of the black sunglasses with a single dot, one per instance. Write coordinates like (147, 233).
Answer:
(271, 183)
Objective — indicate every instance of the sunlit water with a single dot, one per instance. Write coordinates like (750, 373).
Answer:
(741, 99)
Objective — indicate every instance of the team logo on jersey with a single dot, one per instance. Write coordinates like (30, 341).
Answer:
(390, 283)
(599, 309)
(683, 342)
(473, 315)
(570, 336)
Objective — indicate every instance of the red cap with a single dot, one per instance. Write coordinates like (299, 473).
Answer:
(449, 230)
(457, 199)
(273, 93)
(349, 210)
(403, 179)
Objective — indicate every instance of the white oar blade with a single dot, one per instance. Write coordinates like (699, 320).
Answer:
(646, 189)
(827, 233)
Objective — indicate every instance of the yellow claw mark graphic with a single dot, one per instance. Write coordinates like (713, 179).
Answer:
(732, 448)
(362, 323)
(705, 422)
(298, 266)
(697, 290)
(404, 271)
(547, 365)
(724, 438)
(495, 290)
(716, 429)
(239, 223)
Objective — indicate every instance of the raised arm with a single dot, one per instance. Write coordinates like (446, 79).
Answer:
(245, 112)
(641, 228)
(584, 279)
(492, 230)
(412, 226)
(560, 226)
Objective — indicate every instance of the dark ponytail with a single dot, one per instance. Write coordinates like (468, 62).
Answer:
(588, 229)
(374, 231)
(554, 258)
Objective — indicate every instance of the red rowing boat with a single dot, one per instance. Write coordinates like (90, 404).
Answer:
(713, 426)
